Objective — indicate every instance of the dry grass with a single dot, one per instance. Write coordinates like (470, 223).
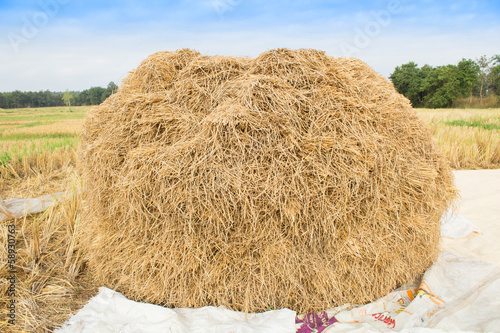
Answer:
(490, 101)
(40, 140)
(39, 156)
(470, 139)
(290, 180)
(25, 180)
(71, 127)
(50, 283)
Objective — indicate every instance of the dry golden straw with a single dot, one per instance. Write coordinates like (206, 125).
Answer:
(294, 179)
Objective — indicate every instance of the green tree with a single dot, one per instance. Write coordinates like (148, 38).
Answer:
(67, 98)
(442, 86)
(407, 80)
(96, 95)
(83, 98)
(112, 87)
(468, 75)
(484, 64)
(17, 99)
(494, 75)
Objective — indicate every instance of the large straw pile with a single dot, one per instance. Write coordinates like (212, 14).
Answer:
(290, 180)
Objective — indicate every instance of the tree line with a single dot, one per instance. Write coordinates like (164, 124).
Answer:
(446, 86)
(22, 99)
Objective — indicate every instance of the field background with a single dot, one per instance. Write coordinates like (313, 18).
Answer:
(469, 138)
(38, 149)
(39, 155)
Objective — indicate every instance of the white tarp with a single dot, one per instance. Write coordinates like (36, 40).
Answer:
(18, 208)
(480, 204)
(456, 226)
(110, 311)
(455, 294)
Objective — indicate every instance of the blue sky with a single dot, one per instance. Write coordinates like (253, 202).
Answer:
(70, 44)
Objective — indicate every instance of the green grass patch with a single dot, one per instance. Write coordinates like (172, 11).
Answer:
(15, 146)
(11, 124)
(63, 116)
(25, 136)
(5, 157)
(36, 123)
(50, 109)
(40, 114)
(473, 123)
(43, 145)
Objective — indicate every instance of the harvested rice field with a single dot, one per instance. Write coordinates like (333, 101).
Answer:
(41, 152)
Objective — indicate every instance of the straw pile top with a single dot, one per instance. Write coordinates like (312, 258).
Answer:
(294, 179)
